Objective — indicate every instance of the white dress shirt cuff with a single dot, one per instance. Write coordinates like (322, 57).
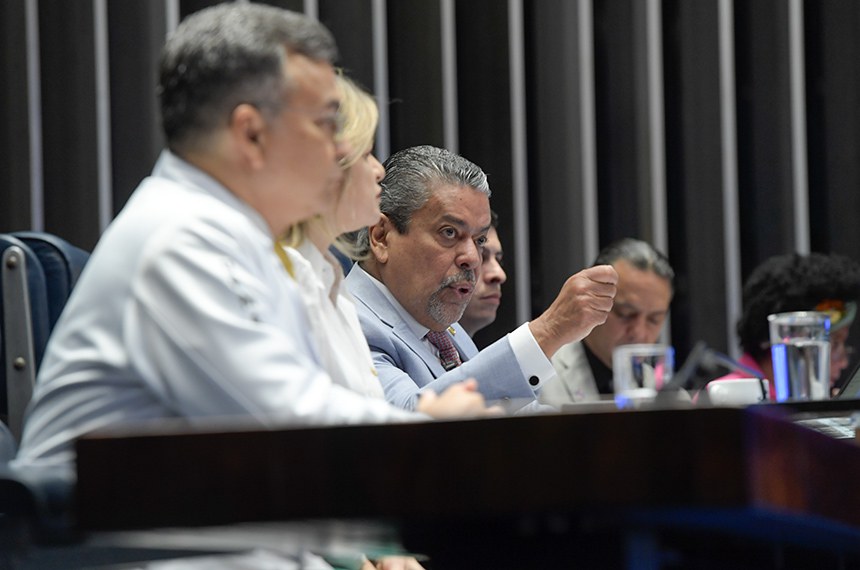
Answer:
(536, 367)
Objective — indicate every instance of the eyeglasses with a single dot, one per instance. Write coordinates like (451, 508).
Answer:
(331, 122)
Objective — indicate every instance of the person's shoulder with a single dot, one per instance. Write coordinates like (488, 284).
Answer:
(365, 294)
(168, 205)
(155, 233)
(357, 279)
(568, 355)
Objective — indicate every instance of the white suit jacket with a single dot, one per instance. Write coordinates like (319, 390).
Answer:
(184, 310)
(406, 365)
(574, 381)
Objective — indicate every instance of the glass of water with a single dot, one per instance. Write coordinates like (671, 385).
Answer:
(639, 371)
(800, 350)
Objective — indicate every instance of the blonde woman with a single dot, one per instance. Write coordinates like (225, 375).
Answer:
(342, 348)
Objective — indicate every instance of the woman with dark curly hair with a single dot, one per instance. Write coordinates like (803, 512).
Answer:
(794, 282)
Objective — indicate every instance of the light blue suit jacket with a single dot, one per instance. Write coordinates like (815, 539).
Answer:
(407, 366)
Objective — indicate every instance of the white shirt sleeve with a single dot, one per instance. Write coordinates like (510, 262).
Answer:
(216, 332)
(535, 366)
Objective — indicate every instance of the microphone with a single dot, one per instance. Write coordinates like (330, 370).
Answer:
(683, 376)
(709, 359)
(667, 396)
(715, 358)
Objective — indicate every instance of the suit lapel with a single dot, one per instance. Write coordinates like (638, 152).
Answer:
(465, 346)
(368, 294)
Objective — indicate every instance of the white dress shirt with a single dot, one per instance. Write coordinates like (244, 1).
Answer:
(334, 323)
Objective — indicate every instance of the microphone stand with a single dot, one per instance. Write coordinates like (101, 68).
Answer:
(716, 357)
(703, 357)
(667, 395)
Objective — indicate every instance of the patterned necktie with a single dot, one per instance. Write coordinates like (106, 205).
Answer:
(448, 355)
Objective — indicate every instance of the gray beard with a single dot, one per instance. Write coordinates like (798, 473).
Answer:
(444, 313)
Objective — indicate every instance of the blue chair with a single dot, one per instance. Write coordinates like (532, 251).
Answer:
(23, 318)
(37, 274)
(62, 264)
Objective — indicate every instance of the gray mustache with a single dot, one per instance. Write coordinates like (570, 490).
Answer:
(464, 275)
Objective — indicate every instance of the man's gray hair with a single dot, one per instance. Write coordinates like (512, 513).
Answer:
(229, 54)
(640, 254)
(411, 176)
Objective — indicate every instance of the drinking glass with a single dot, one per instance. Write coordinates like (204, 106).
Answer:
(639, 371)
(800, 351)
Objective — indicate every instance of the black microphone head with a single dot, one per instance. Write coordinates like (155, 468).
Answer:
(688, 369)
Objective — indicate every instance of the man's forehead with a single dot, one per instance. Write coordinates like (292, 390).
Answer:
(633, 305)
(312, 81)
(460, 202)
(648, 300)
(637, 276)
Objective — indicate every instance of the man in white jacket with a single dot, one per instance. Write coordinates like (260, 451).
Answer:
(584, 369)
(184, 309)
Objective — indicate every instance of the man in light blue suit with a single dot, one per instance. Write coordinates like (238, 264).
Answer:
(422, 262)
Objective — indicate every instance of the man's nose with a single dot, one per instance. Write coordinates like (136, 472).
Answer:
(639, 330)
(494, 272)
(378, 169)
(469, 256)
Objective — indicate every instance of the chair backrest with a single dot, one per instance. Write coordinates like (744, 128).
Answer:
(38, 271)
(24, 317)
(62, 264)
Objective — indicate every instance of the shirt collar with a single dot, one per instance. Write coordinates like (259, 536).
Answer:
(321, 266)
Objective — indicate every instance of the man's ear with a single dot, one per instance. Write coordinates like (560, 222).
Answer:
(249, 132)
(378, 234)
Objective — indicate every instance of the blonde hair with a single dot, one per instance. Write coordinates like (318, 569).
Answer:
(360, 117)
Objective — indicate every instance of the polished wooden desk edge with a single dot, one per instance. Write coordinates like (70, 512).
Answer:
(707, 458)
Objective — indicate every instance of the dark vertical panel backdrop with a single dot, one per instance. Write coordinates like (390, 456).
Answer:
(69, 119)
(555, 236)
(415, 73)
(556, 169)
(14, 139)
(617, 133)
(352, 25)
(135, 122)
(484, 105)
(694, 177)
(833, 107)
(764, 136)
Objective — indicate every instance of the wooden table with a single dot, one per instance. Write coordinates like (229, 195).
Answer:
(508, 492)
